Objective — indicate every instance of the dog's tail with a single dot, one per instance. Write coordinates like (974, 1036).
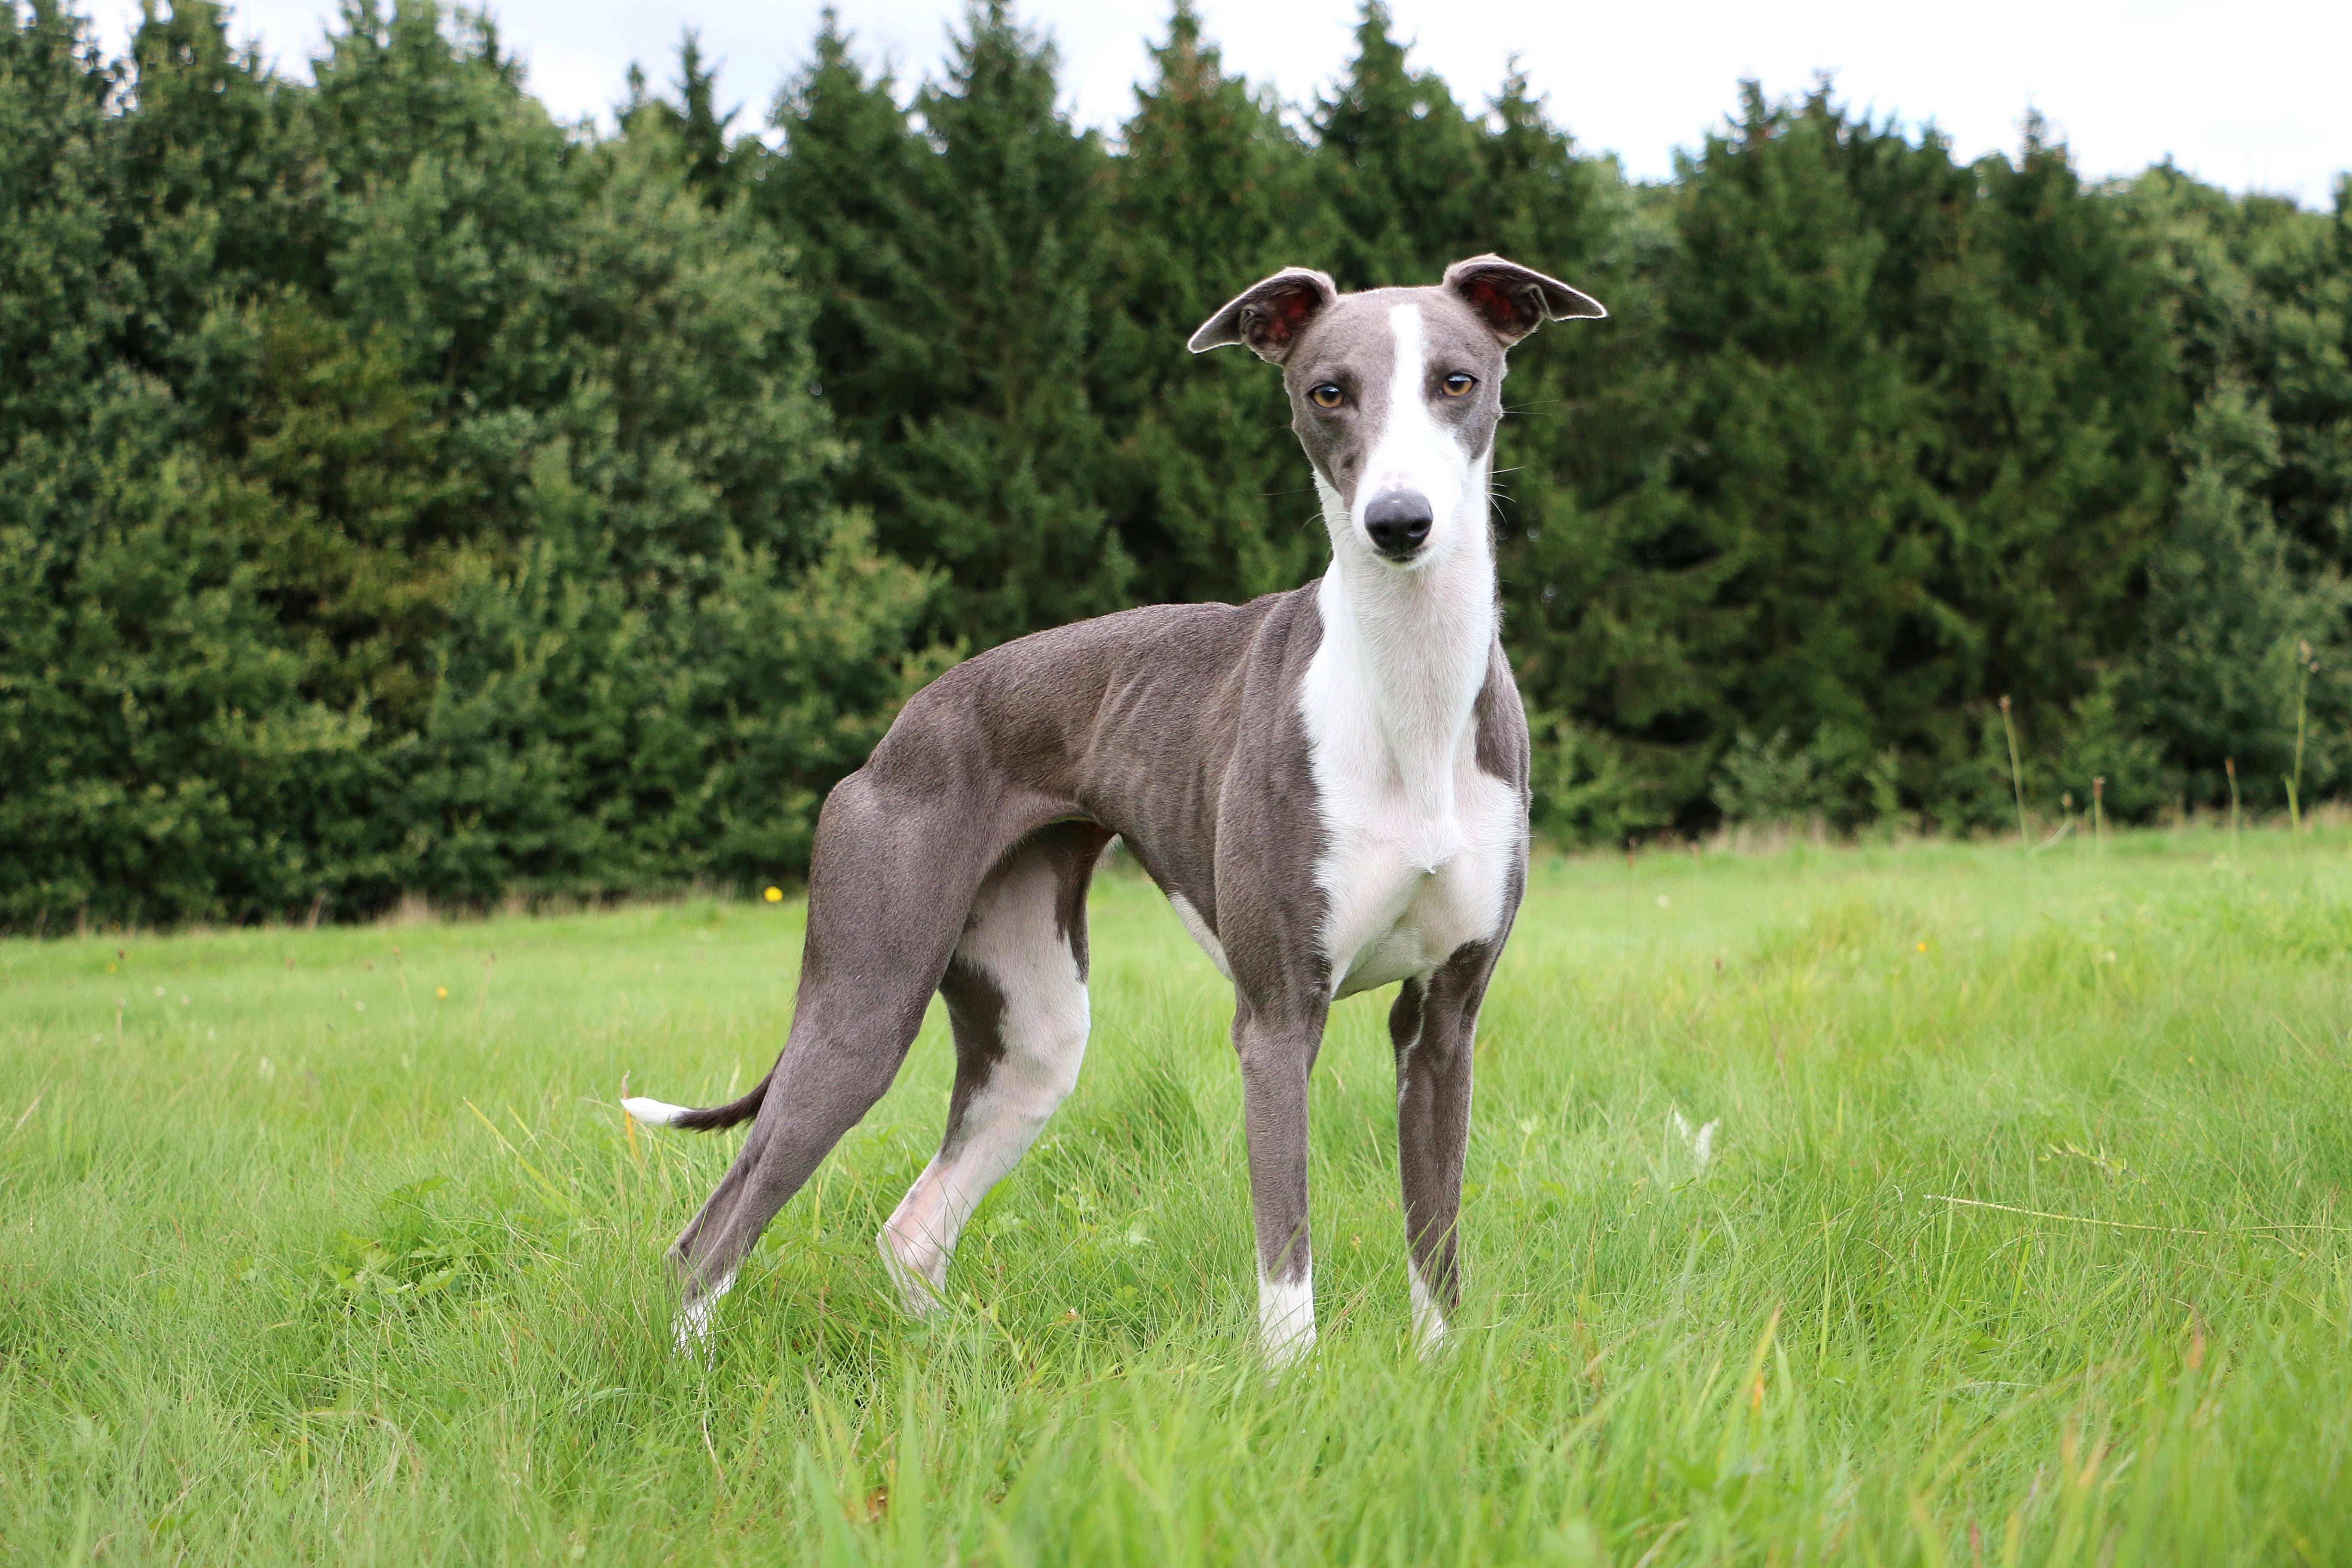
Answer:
(707, 1118)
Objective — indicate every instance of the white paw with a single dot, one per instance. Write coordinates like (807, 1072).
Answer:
(692, 1332)
(1430, 1334)
(921, 1281)
(1286, 1318)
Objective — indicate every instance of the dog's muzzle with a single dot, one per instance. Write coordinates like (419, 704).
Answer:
(1399, 523)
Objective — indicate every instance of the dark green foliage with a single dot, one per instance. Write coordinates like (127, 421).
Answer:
(1918, 447)
(432, 502)
(715, 168)
(2246, 589)
(1211, 194)
(1402, 166)
(402, 491)
(973, 258)
(54, 257)
(1590, 619)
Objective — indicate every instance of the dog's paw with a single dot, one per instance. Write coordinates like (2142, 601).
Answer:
(1286, 1321)
(1430, 1334)
(690, 1338)
(921, 1281)
(692, 1334)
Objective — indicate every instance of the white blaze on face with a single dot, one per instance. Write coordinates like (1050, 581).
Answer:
(1412, 451)
(1390, 699)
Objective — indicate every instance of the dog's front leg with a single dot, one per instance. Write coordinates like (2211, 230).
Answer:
(1431, 1027)
(1277, 1054)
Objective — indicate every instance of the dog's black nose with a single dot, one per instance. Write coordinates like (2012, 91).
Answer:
(1398, 523)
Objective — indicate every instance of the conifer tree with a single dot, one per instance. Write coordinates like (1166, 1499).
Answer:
(1400, 163)
(1905, 517)
(691, 645)
(1801, 495)
(400, 491)
(155, 738)
(1212, 192)
(1589, 625)
(426, 501)
(61, 314)
(2249, 571)
(979, 444)
(2052, 402)
(846, 196)
(1000, 478)
(714, 165)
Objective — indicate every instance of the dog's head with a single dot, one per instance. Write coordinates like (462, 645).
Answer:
(1395, 393)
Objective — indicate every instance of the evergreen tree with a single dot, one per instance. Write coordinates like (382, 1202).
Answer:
(62, 310)
(2042, 340)
(1900, 515)
(713, 165)
(1401, 164)
(1212, 192)
(845, 195)
(2249, 571)
(1589, 623)
(402, 491)
(1800, 496)
(155, 737)
(588, 719)
(414, 481)
(978, 442)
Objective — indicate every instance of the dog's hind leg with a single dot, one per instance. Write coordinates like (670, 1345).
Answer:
(1431, 1025)
(1016, 995)
(887, 895)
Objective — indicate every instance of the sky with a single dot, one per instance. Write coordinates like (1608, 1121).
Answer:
(2249, 95)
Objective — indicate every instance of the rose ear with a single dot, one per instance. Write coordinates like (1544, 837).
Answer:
(1269, 315)
(1513, 301)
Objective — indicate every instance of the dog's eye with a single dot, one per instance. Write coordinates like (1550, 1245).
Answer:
(1459, 384)
(1327, 396)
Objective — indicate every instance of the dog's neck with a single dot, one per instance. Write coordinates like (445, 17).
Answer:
(1415, 644)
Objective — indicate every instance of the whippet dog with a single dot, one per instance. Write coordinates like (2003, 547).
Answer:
(1329, 785)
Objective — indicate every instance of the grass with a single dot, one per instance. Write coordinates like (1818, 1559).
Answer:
(301, 1259)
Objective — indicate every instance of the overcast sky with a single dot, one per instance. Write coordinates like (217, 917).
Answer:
(2247, 94)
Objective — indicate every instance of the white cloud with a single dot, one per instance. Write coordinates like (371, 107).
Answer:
(2238, 93)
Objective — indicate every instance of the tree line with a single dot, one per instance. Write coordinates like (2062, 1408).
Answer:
(402, 490)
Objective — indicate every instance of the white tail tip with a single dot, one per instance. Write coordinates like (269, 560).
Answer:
(653, 1112)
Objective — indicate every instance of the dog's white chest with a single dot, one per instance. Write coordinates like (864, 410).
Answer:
(1405, 892)
(1419, 843)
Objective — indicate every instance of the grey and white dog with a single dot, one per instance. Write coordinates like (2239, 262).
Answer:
(1329, 785)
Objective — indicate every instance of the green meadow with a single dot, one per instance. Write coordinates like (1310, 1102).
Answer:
(2020, 1236)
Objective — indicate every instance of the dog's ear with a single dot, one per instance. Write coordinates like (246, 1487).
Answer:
(1269, 316)
(1513, 301)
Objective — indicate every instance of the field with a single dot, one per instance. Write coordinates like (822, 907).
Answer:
(2019, 1237)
